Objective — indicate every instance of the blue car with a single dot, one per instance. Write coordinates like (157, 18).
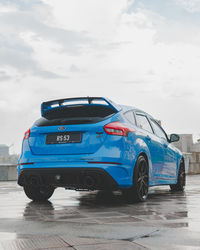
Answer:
(91, 143)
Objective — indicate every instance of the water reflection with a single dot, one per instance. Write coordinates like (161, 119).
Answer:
(103, 198)
(35, 209)
(162, 206)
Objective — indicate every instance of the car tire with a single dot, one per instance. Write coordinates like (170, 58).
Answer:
(38, 193)
(180, 185)
(139, 191)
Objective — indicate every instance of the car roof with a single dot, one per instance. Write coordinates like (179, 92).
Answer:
(126, 108)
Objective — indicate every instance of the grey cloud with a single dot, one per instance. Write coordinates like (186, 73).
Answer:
(151, 72)
(135, 82)
(23, 4)
(74, 68)
(170, 28)
(49, 74)
(4, 76)
(72, 42)
(182, 94)
(115, 45)
(175, 32)
(189, 5)
(31, 17)
(15, 53)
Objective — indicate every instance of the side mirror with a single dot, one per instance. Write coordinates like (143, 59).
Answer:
(174, 137)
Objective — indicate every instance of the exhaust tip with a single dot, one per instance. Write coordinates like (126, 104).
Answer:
(89, 181)
(34, 181)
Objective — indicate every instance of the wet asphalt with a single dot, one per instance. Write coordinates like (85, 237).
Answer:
(100, 220)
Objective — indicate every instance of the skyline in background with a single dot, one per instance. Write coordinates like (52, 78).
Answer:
(138, 52)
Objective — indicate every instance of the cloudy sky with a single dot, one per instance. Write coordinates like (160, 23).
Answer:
(137, 52)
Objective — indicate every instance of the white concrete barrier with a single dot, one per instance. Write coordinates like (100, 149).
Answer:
(194, 163)
(187, 162)
(8, 172)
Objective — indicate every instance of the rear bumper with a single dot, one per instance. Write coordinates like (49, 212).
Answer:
(71, 178)
(121, 174)
(111, 158)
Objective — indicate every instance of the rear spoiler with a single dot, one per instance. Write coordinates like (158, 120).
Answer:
(54, 104)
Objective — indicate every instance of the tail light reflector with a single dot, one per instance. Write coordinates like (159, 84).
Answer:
(117, 128)
(103, 162)
(27, 134)
(26, 163)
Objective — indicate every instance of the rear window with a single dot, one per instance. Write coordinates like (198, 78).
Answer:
(75, 114)
(143, 123)
(130, 117)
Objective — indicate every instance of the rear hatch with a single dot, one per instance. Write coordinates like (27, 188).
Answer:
(73, 126)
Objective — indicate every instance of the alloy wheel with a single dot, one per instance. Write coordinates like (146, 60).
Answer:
(143, 180)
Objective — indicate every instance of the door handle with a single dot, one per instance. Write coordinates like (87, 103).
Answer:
(165, 145)
(148, 138)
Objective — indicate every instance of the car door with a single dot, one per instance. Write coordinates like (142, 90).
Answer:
(168, 170)
(154, 145)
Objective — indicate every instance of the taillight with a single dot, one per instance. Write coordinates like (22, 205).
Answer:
(117, 128)
(27, 134)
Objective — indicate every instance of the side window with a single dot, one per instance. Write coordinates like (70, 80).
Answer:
(130, 116)
(143, 123)
(157, 130)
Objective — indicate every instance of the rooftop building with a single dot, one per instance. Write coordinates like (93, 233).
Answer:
(4, 150)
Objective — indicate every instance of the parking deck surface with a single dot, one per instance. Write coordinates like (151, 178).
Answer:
(99, 220)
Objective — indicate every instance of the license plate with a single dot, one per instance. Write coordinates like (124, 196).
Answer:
(61, 138)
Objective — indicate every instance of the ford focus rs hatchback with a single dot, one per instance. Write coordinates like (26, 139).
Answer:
(91, 143)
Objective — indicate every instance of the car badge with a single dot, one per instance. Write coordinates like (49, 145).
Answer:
(61, 128)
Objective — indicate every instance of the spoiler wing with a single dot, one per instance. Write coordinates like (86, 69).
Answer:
(54, 104)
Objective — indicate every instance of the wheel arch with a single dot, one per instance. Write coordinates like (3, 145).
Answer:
(180, 161)
(180, 182)
(146, 158)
